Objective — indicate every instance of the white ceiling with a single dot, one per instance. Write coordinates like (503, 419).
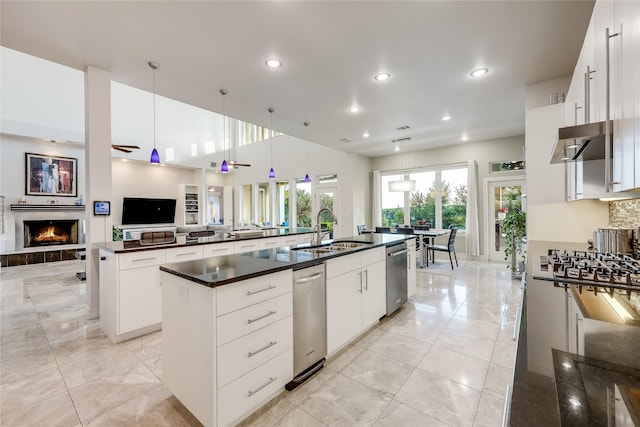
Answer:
(331, 51)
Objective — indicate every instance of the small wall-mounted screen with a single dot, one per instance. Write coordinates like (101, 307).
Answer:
(101, 208)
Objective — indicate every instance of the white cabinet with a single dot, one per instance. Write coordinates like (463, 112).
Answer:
(217, 249)
(184, 253)
(270, 242)
(130, 293)
(411, 267)
(356, 295)
(189, 203)
(246, 246)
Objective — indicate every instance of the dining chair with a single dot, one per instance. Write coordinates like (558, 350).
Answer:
(383, 229)
(449, 247)
(361, 229)
(404, 230)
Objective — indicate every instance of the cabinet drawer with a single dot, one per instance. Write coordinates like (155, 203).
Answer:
(289, 240)
(253, 389)
(247, 353)
(217, 249)
(246, 246)
(187, 253)
(141, 259)
(251, 291)
(272, 242)
(373, 256)
(242, 322)
(343, 264)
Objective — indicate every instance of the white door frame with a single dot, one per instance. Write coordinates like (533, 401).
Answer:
(488, 213)
(336, 205)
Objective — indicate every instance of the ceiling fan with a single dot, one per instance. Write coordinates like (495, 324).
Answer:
(235, 164)
(124, 148)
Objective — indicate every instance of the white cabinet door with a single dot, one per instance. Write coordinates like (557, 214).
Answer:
(374, 294)
(139, 299)
(217, 249)
(245, 246)
(108, 293)
(344, 309)
(575, 326)
(270, 243)
(184, 253)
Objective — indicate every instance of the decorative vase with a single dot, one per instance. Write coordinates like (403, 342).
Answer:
(502, 215)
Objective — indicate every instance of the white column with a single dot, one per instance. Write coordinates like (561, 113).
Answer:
(97, 175)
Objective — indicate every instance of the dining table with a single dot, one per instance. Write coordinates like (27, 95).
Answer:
(427, 237)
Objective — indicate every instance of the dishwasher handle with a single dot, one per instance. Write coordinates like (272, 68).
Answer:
(308, 279)
(392, 254)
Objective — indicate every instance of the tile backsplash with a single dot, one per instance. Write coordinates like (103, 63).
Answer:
(625, 213)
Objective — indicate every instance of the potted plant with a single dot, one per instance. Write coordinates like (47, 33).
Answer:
(514, 228)
(502, 213)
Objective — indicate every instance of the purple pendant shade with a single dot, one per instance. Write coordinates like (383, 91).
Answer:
(272, 174)
(225, 167)
(306, 178)
(155, 157)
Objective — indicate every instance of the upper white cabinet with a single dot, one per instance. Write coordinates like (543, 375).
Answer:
(612, 43)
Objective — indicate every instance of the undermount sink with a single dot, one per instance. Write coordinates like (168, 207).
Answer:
(334, 247)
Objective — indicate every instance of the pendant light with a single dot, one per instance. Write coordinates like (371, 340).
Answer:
(155, 157)
(225, 166)
(306, 135)
(272, 173)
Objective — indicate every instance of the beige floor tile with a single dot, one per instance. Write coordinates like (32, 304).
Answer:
(487, 311)
(32, 362)
(298, 418)
(104, 364)
(31, 389)
(455, 366)
(81, 347)
(447, 401)
(398, 347)
(463, 326)
(53, 411)
(102, 394)
(378, 372)
(146, 346)
(504, 354)
(498, 377)
(339, 361)
(489, 412)
(399, 415)
(478, 347)
(344, 402)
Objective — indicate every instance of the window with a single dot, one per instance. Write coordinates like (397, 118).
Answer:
(439, 198)
(303, 205)
(250, 133)
(282, 203)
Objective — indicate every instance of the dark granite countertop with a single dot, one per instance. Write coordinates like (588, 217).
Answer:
(222, 270)
(586, 389)
(222, 237)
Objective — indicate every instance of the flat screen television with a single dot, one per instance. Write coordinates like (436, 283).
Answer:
(138, 210)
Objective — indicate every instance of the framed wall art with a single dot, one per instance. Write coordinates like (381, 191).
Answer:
(51, 175)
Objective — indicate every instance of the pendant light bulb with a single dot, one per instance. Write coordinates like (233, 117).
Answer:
(155, 156)
(225, 166)
(306, 178)
(272, 172)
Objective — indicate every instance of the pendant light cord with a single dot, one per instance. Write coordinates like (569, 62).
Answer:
(154, 107)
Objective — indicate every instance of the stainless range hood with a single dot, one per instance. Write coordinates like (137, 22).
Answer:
(582, 142)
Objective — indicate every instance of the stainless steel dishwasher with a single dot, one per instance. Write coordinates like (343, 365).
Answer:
(396, 276)
(309, 323)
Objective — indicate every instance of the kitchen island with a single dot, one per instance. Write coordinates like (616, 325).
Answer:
(577, 350)
(228, 321)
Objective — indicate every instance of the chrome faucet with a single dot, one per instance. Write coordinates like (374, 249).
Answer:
(317, 230)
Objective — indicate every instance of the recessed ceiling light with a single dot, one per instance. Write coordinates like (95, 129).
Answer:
(354, 109)
(365, 135)
(464, 137)
(479, 72)
(273, 63)
(380, 77)
(446, 117)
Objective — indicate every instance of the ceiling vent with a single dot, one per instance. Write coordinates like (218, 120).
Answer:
(214, 164)
(345, 140)
(403, 127)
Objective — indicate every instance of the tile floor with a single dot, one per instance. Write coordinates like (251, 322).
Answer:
(445, 359)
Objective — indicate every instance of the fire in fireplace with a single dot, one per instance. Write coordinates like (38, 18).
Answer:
(50, 232)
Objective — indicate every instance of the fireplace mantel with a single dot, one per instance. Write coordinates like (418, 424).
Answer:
(47, 207)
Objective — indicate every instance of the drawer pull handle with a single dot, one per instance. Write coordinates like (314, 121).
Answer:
(188, 253)
(253, 353)
(218, 250)
(252, 392)
(268, 288)
(144, 259)
(271, 313)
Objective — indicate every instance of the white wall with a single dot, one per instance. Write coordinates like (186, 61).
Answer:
(13, 170)
(483, 152)
(135, 179)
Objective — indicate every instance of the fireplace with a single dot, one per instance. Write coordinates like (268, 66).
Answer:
(50, 232)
